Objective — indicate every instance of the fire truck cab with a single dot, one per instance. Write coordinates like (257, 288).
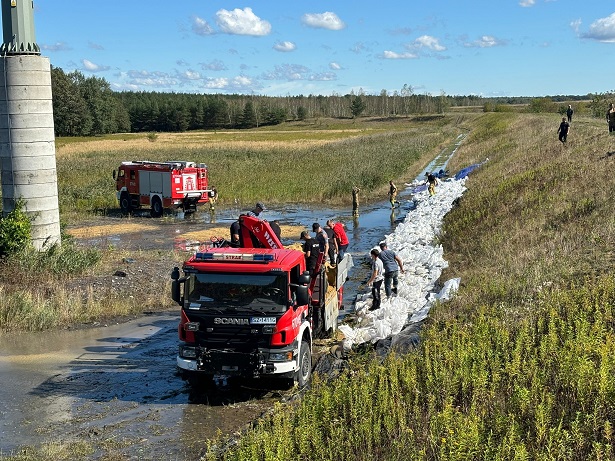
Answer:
(254, 312)
(160, 185)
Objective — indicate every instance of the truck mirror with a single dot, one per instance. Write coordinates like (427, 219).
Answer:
(304, 278)
(175, 273)
(303, 296)
(114, 174)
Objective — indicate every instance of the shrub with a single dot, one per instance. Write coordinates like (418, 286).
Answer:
(15, 230)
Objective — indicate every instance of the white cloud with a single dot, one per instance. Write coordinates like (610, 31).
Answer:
(143, 78)
(58, 46)
(91, 67)
(427, 41)
(242, 22)
(326, 20)
(284, 46)
(201, 27)
(602, 30)
(486, 41)
(334, 66)
(215, 65)
(190, 75)
(527, 3)
(240, 83)
(576, 25)
(294, 72)
(393, 55)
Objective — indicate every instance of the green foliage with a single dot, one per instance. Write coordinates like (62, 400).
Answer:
(85, 106)
(357, 106)
(600, 103)
(58, 260)
(152, 137)
(538, 105)
(480, 387)
(15, 230)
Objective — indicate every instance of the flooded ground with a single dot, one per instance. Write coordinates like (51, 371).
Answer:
(116, 386)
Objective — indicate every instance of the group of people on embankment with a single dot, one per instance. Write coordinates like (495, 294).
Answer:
(564, 126)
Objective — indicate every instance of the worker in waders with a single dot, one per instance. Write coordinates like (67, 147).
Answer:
(433, 182)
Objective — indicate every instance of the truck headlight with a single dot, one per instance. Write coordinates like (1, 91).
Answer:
(281, 356)
(187, 352)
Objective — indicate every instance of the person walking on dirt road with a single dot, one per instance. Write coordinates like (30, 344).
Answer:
(610, 118)
(563, 129)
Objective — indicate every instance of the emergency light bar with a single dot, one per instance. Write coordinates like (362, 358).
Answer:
(246, 257)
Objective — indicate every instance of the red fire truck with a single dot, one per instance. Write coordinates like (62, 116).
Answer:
(254, 311)
(160, 185)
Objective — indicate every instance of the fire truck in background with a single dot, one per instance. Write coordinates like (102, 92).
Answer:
(160, 185)
(254, 311)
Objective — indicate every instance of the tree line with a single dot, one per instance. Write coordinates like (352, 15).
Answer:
(87, 106)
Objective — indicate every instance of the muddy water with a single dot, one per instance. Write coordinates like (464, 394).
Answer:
(116, 386)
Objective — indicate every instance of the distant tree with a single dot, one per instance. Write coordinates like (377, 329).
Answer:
(71, 116)
(99, 98)
(600, 103)
(301, 113)
(542, 105)
(275, 116)
(357, 106)
(248, 118)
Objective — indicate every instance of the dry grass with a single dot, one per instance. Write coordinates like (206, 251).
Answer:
(262, 164)
(539, 211)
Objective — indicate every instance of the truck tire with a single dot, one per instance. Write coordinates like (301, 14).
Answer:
(304, 373)
(125, 203)
(156, 207)
(197, 380)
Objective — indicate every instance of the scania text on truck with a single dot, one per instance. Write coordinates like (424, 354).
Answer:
(254, 311)
(160, 185)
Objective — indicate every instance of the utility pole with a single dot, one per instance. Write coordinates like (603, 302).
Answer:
(27, 139)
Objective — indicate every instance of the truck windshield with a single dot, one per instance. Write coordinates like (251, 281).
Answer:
(258, 292)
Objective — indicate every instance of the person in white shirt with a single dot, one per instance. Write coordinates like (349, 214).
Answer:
(376, 279)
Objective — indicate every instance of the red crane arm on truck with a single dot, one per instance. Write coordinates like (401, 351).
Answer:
(257, 233)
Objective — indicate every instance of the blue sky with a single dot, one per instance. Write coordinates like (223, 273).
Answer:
(279, 48)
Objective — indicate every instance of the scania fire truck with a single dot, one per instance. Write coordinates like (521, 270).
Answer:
(160, 185)
(254, 311)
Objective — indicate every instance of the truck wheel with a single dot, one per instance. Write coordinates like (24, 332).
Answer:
(305, 365)
(125, 203)
(196, 380)
(156, 207)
